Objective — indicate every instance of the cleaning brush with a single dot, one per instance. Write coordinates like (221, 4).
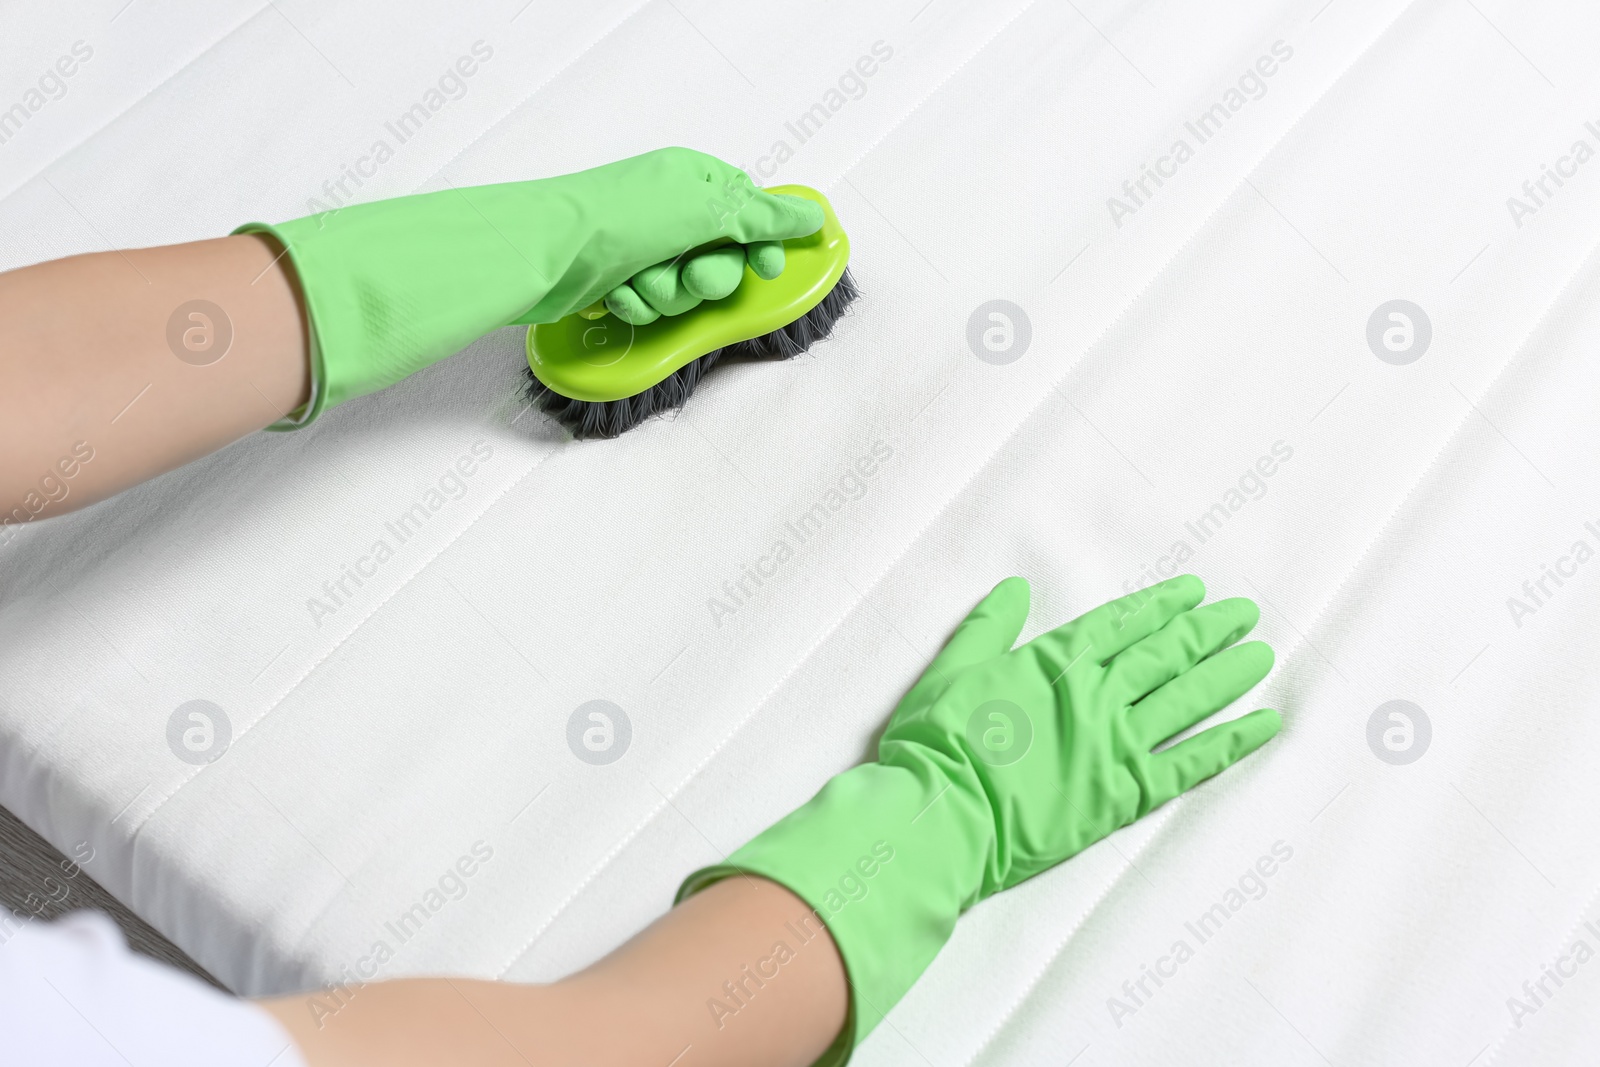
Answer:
(601, 377)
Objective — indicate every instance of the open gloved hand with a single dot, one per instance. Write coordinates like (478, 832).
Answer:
(393, 286)
(1000, 763)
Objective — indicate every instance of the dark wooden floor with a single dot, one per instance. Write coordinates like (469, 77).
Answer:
(38, 882)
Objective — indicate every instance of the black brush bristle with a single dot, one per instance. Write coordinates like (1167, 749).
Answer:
(610, 418)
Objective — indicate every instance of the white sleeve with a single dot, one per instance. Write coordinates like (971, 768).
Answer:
(72, 992)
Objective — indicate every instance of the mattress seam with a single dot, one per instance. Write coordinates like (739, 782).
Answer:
(1428, 472)
(784, 678)
(1572, 933)
(310, 670)
(666, 798)
(1451, 441)
(650, 816)
(1519, 353)
(922, 531)
(934, 91)
(336, 645)
(535, 91)
(119, 116)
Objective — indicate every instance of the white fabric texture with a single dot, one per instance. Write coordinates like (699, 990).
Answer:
(71, 992)
(1213, 325)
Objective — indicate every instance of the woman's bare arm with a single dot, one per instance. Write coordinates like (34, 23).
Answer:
(118, 366)
(740, 974)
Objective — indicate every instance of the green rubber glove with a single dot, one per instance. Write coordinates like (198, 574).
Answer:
(673, 288)
(1000, 763)
(394, 286)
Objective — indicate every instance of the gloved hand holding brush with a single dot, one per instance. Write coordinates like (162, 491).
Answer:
(1000, 763)
(680, 285)
(602, 378)
(149, 358)
(396, 285)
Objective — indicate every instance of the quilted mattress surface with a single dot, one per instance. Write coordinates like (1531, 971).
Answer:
(1300, 296)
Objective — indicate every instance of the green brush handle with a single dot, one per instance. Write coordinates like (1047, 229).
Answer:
(609, 359)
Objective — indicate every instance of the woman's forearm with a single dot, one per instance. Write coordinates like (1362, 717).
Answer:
(740, 974)
(118, 366)
(121, 365)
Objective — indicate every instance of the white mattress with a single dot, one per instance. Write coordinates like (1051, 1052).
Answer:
(1172, 347)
